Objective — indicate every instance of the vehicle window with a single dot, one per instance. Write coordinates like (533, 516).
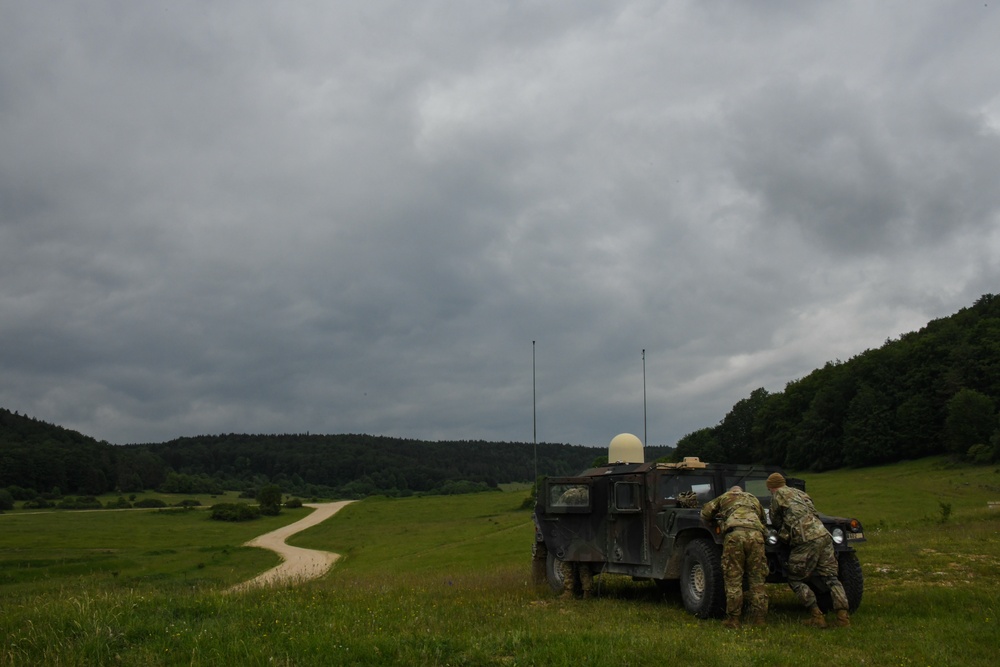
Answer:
(757, 487)
(627, 496)
(569, 495)
(671, 485)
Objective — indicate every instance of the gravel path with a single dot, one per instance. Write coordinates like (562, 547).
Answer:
(298, 564)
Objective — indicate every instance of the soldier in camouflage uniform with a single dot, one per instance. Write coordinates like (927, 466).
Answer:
(573, 573)
(741, 519)
(794, 517)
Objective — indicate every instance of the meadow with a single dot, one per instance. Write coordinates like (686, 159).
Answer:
(446, 581)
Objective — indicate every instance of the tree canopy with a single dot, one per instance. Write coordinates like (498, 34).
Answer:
(933, 391)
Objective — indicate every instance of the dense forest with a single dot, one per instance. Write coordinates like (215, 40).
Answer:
(40, 458)
(934, 391)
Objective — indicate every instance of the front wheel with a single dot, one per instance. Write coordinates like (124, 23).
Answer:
(703, 589)
(851, 578)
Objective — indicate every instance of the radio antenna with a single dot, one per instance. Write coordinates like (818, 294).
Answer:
(534, 413)
(645, 441)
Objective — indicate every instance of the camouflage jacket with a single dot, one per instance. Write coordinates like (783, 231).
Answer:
(794, 516)
(735, 510)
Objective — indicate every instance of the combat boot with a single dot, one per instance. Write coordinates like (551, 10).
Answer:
(731, 622)
(815, 619)
(843, 619)
(587, 595)
(758, 620)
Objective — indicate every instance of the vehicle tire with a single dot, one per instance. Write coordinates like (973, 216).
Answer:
(553, 573)
(852, 578)
(703, 589)
(539, 563)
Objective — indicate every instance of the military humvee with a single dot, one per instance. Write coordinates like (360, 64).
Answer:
(639, 519)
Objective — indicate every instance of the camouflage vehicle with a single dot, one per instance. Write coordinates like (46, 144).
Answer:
(643, 520)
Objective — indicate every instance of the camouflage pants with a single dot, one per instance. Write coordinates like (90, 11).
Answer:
(743, 553)
(573, 571)
(815, 557)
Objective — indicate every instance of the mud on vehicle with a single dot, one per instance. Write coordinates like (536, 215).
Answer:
(643, 520)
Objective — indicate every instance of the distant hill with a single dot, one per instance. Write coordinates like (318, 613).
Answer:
(46, 458)
(41, 456)
(933, 391)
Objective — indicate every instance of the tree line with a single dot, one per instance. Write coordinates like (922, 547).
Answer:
(38, 458)
(930, 392)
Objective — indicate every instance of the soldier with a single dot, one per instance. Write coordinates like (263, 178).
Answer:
(794, 517)
(741, 519)
(573, 573)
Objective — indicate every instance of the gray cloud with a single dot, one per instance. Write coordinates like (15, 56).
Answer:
(356, 217)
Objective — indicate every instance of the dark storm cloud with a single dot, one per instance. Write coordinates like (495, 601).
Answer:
(356, 217)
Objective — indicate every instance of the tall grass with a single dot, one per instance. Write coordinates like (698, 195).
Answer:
(444, 581)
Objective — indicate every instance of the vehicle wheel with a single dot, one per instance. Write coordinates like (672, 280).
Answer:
(702, 587)
(539, 563)
(553, 573)
(852, 578)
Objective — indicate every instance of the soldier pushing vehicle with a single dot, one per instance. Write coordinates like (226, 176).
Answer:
(643, 520)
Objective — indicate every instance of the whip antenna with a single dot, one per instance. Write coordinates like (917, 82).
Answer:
(534, 413)
(645, 441)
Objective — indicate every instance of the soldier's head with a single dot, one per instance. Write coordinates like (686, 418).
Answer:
(775, 481)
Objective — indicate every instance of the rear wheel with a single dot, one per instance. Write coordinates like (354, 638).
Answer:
(554, 573)
(702, 587)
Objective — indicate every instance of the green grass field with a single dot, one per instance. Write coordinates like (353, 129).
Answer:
(445, 581)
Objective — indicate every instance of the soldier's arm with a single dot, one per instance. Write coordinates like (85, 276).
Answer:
(709, 510)
(776, 512)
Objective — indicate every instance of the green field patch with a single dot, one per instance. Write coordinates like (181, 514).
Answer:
(446, 580)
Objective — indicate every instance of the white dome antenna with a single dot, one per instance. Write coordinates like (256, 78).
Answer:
(625, 448)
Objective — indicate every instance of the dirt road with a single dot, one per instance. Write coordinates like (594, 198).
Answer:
(298, 564)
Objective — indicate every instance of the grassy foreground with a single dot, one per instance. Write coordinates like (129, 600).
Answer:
(445, 581)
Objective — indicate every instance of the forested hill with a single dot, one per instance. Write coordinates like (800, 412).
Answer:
(933, 391)
(45, 458)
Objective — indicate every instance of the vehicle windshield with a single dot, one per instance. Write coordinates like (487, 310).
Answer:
(758, 487)
(671, 485)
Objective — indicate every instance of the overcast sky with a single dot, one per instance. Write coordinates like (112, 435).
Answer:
(355, 217)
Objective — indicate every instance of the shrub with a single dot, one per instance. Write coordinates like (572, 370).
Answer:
(189, 502)
(269, 499)
(119, 504)
(149, 502)
(81, 503)
(980, 454)
(6, 500)
(234, 512)
(293, 503)
(37, 504)
(20, 493)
